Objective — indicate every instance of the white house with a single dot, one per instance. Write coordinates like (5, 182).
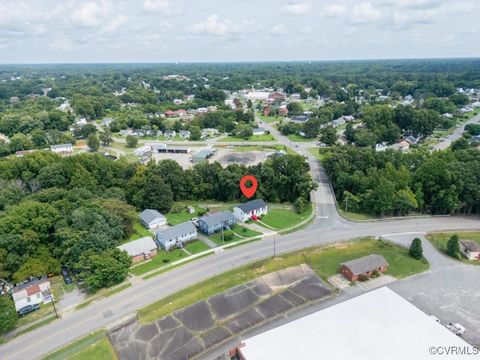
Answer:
(140, 250)
(246, 211)
(470, 249)
(259, 131)
(32, 293)
(62, 148)
(152, 219)
(176, 235)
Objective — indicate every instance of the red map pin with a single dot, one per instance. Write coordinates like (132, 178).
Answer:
(248, 191)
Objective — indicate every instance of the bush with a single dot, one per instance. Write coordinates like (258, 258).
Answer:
(177, 208)
(300, 205)
(132, 141)
(416, 250)
(363, 277)
(8, 318)
(375, 274)
(453, 247)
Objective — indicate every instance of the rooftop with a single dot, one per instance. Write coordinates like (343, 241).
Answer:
(148, 215)
(138, 247)
(177, 230)
(218, 217)
(471, 245)
(366, 263)
(252, 205)
(374, 326)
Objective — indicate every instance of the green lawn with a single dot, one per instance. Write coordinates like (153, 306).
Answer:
(266, 137)
(270, 119)
(139, 231)
(284, 218)
(78, 348)
(196, 247)
(236, 229)
(356, 216)
(298, 138)
(163, 258)
(182, 216)
(324, 260)
(439, 240)
(101, 350)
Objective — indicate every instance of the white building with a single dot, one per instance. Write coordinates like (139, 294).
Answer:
(470, 249)
(246, 211)
(377, 325)
(152, 219)
(142, 150)
(176, 235)
(141, 249)
(257, 95)
(32, 293)
(62, 148)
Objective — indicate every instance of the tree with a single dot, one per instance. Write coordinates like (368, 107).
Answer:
(245, 131)
(328, 135)
(195, 133)
(453, 247)
(8, 315)
(295, 108)
(300, 205)
(104, 269)
(460, 144)
(350, 133)
(416, 250)
(106, 137)
(93, 142)
(132, 141)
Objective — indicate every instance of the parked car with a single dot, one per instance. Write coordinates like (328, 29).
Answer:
(28, 309)
(66, 276)
(194, 221)
(456, 328)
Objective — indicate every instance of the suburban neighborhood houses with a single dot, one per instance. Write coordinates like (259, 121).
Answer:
(212, 223)
(140, 250)
(250, 210)
(33, 292)
(152, 219)
(176, 236)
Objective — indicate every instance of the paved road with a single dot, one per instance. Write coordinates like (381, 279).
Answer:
(457, 134)
(326, 228)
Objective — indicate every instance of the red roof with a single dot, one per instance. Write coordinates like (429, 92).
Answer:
(169, 112)
(32, 290)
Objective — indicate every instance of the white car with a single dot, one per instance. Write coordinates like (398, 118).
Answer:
(456, 328)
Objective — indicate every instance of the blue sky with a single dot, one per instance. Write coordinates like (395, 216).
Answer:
(46, 31)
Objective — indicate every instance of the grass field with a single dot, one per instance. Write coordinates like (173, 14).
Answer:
(284, 218)
(77, 347)
(101, 350)
(270, 119)
(439, 240)
(355, 216)
(266, 137)
(324, 260)
(139, 231)
(163, 258)
(298, 138)
(182, 216)
(236, 229)
(196, 247)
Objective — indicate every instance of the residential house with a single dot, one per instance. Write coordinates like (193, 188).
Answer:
(184, 134)
(63, 149)
(412, 140)
(176, 235)
(4, 138)
(214, 222)
(338, 122)
(107, 121)
(276, 96)
(140, 250)
(258, 95)
(470, 249)
(202, 110)
(295, 96)
(65, 107)
(448, 115)
(152, 219)
(181, 113)
(81, 122)
(14, 99)
(170, 114)
(349, 118)
(169, 133)
(259, 131)
(32, 293)
(299, 118)
(283, 111)
(177, 101)
(251, 209)
(366, 265)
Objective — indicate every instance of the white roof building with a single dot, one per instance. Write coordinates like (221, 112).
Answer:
(138, 247)
(377, 325)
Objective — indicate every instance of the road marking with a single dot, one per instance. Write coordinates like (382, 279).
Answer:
(405, 233)
(322, 217)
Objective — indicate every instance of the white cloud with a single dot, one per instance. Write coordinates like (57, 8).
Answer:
(167, 7)
(102, 16)
(297, 8)
(335, 10)
(364, 13)
(62, 43)
(214, 26)
(278, 29)
(307, 30)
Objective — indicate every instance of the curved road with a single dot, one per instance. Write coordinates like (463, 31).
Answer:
(327, 227)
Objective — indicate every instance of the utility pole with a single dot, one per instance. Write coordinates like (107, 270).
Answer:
(53, 303)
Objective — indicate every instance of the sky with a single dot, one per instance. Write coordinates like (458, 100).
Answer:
(96, 31)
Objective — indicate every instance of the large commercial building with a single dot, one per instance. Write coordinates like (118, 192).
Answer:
(378, 325)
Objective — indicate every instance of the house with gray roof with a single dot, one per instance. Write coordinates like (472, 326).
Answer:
(173, 236)
(365, 266)
(140, 250)
(214, 222)
(470, 249)
(251, 209)
(152, 219)
(62, 148)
